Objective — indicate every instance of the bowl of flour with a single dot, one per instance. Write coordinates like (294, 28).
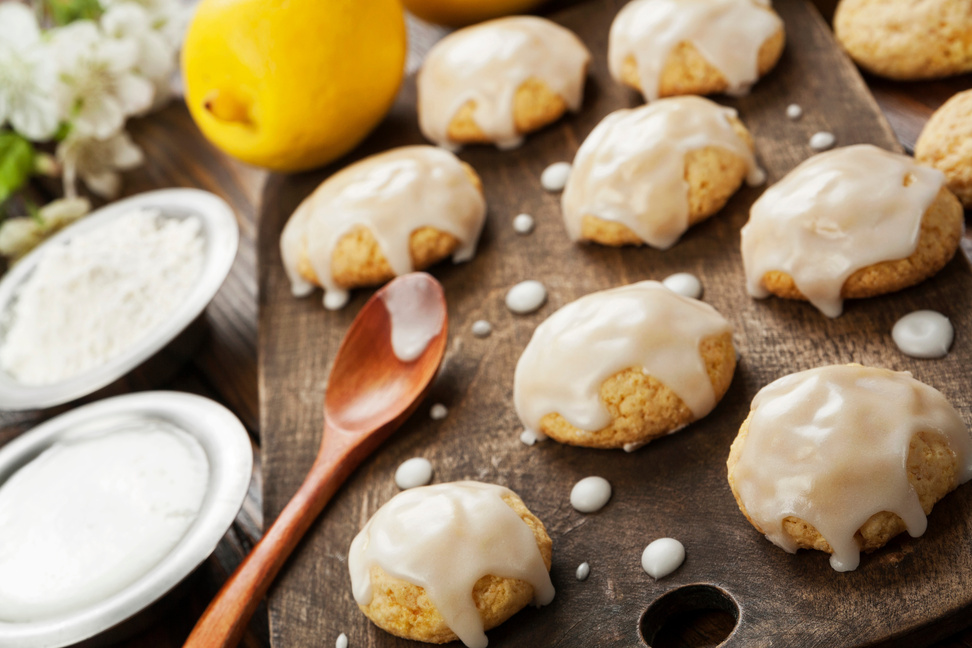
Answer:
(107, 293)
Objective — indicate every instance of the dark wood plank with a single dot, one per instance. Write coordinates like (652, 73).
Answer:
(911, 593)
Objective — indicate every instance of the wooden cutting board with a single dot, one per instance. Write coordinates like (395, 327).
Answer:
(908, 594)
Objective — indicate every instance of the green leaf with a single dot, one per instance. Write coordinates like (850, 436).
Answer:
(16, 163)
(63, 12)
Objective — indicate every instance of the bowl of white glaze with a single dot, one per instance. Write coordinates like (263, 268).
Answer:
(220, 233)
(226, 448)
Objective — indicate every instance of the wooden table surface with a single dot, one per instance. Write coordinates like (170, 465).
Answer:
(225, 365)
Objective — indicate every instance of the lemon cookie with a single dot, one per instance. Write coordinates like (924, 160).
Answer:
(850, 223)
(843, 458)
(645, 175)
(386, 215)
(620, 367)
(907, 39)
(496, 81)
(946, 144)
(676, 47)
(417, 568)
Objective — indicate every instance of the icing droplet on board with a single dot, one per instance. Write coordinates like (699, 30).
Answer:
(662, 557)
(590, 494)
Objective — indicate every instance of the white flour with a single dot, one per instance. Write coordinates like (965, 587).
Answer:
(92, 298)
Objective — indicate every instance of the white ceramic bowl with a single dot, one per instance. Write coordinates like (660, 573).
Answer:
(230, 456)
(222, 239)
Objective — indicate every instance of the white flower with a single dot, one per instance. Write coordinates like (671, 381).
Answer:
(168, 17)
(28, 75)
(97, 162)
(102, 87)
(18, 236)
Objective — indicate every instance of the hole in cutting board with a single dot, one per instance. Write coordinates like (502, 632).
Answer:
(689, 617)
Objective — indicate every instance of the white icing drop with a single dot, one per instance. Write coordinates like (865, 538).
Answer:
(794, 111)
(923, 334)
(662, 557)
(342, 641)
(486, 64)
(756, 177)
(554, 177)
(523, 223)
(583, 571)
(444, 538)
(727, 33)
(526, 297)
(685, 284)
(590, 494)
(822, 141)
(530, 437)
(482, 328)
(413, 472)
(642, 325)
(417, 316)
(438, 412)
(830, 446)
(391, 195)
(631, 168)
(834, 214)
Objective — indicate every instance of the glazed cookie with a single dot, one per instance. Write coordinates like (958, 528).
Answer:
(386, 215)
(677, 47)
(843, 458)
(493, 82)
(946, 144)
(417, 568)
(620, 367)
(645, 175)
(907, 39)
(850, 223)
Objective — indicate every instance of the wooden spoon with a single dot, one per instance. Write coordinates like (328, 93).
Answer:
(369, 394)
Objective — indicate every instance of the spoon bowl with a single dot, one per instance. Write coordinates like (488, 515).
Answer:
(370, 393)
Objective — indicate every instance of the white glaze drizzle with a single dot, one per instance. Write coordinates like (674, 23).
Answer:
(444, 538)
(923, 334)
(642, 325)
(391, 194)
(834, 214)
(727, 33)
(662, 557)
(685, 284)
(487, 63)
(413, 472)
(417, 316)
(531, 437)
(554, 177)
(631, 168)
(526, 297)
(830, 447)
(590, 494)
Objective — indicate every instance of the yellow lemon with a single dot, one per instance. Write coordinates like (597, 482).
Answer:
(292, 84)
(457, 13)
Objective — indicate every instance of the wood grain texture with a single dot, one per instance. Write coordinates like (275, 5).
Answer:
(911, 593)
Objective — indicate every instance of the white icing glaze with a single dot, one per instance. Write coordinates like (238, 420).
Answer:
(391, 194)
(438, 412)
(830, 446)
(590, 494)
(662, 556)
(794, 111)
(523, 223)
(923, 334)
(413, 472)
(642, 325)
(417, 316)
(341, 641)
(530, 437)
(727, 33)
(526, 297)
(631, 168)
(583, 571)
(554, 177)
(444, 538)
(482, 328)
(486, 64)
(822, 140)
(94, 513)
(834, 214)
(685, 284)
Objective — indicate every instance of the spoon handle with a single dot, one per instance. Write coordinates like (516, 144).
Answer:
(224, 621)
